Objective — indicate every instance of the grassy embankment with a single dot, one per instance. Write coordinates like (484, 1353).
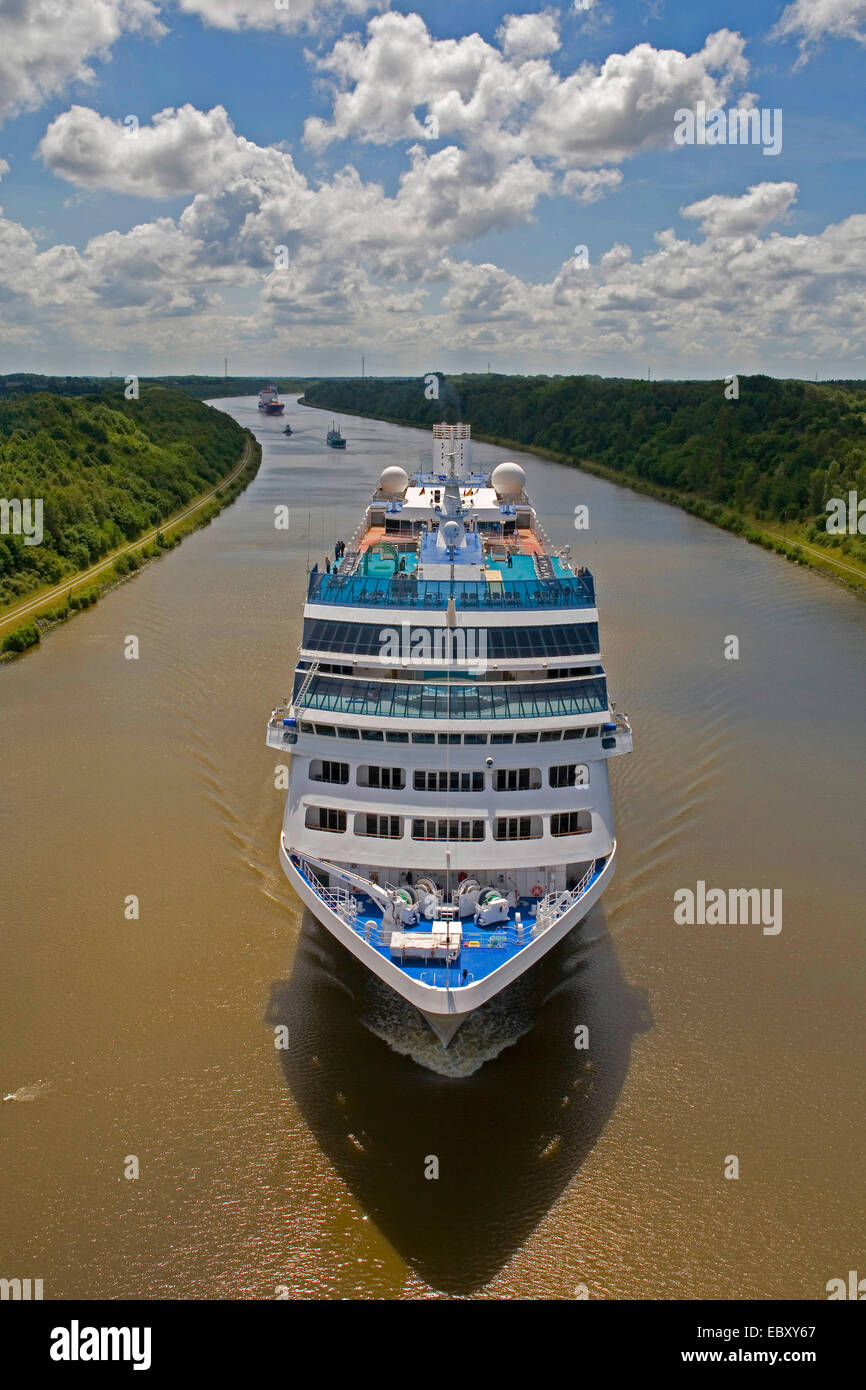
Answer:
(121, 482)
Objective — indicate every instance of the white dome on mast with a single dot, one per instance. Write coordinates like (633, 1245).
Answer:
(394, 481)
(508, 479)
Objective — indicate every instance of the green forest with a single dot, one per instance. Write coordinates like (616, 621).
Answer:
(779, 452)
(106, 468)
(201, 387)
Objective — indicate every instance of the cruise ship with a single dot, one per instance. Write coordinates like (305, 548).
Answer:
(448, 815)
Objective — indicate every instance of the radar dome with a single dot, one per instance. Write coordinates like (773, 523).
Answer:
(508, 479)
(394, 482)
(451, 532)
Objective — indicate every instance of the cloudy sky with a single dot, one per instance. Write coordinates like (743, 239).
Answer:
(291, 183)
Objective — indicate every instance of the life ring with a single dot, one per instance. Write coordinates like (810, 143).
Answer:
(538, 891)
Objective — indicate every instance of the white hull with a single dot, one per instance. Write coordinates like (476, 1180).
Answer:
(446, 1009)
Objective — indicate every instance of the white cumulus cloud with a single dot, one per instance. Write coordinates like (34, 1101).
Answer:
(46, 44)
(512, 104)
(529, 35)
(182, 151)
(274, 14)
(812, 20)
(761, 204)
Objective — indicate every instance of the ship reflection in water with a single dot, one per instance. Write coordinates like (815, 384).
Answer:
(509, 1112)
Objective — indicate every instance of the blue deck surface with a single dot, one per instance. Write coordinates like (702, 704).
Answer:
(495, 945)
(483, 949)
(523, 567)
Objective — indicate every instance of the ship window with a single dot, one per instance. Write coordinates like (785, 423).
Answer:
(423, 738)
(526, 738)
(448, 830)
(322, 770)
(345, 732)
(440, 781)
(373, 735)
(389, 778)
(551, 735)
(571, 823)
(501, 738)
(449, 738)
(516, 779)
(396, 738)
(307, 727)
(592, 733)
(325, 818)
(517, 828)
(474, 738)
(327, 730)
(573, 733)
(384, 827)
(569, 775)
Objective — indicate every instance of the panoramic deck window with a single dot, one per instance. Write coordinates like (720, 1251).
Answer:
(516, 779)
(517, 828)
(439, 781)
(382, 827)
(501, 643)
(325, 818)
(448, 830)
(569, 775)
(388, 778)
(322, 770)
(571, 823)
(456, 700)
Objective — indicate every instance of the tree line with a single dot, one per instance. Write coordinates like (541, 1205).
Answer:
(778, 451)
(107, 469)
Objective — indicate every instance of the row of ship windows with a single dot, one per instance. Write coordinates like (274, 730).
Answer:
(366, 639)
(378, 736)
(557, 674)
(504, 827)
(504, 779)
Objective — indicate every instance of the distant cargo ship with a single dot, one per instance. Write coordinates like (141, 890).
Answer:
(334, 439)
(270, 402)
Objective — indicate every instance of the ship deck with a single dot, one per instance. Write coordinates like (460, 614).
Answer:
(496, 557)
(482, 951)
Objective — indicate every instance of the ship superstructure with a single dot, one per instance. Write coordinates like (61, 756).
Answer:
(448, 816)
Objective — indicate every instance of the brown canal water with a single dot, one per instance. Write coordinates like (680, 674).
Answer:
(303, 1170)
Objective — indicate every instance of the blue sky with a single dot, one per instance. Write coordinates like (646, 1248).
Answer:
(156, 251)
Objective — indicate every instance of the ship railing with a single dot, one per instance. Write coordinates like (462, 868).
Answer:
(408, 592)
(339, 900)
(555, 905)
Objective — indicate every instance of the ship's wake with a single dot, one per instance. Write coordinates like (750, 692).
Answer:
(487, 1032)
